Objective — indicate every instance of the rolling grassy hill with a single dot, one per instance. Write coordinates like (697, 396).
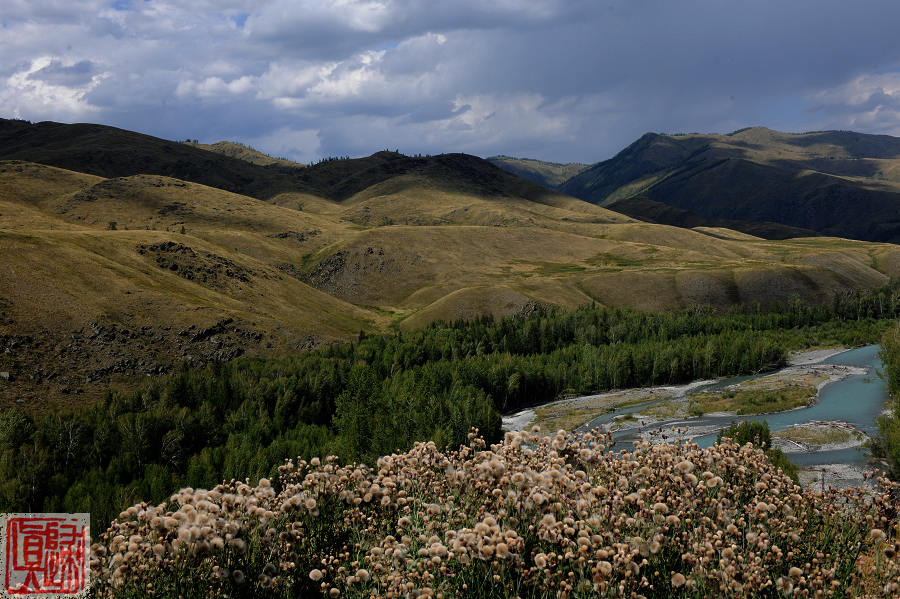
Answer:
(754, 177)
(110, 152)
(111, 271)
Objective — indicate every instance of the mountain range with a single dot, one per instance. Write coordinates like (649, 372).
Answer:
(123, 255)
(763, 182)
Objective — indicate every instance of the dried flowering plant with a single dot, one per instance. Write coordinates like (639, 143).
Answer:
(532, 516)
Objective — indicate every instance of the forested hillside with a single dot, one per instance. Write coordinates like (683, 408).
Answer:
(889, 425)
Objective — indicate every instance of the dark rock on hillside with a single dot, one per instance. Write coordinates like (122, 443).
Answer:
(89, 359)
(200, 266)
(298, 236)
(344, 273)
(208, 332)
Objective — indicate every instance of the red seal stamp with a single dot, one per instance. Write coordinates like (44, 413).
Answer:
(45, 555)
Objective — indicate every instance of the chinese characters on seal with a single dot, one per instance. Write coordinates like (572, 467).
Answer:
(44, 555)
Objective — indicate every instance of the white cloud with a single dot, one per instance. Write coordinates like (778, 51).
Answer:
(860, 90)
(27, 94)
(292, 79)
(351, 80)
(215, 87)
(868, 103)
(497, 117)
(300, 145)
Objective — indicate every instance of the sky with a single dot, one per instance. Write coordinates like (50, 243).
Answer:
(558, 80)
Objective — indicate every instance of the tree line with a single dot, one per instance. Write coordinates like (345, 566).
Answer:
(888, 445)
(380, 393)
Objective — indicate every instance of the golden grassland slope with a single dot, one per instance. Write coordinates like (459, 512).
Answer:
(108, 279)
(84, 301)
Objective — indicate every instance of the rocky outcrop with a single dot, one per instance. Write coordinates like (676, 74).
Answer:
(199, 266)
(92, 358)
(344, 273)
(298, 236)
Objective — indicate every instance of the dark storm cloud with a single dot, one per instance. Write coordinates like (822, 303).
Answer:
(49, 12)
(332, 29)
(554, 79)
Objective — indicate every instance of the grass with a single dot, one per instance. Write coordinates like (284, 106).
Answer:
(752, 401)
(572, 413)
(666, 410)
(568, 419)
(605, 259)
(554, 268)
(775, 392)
(623, 421)
(817, 435)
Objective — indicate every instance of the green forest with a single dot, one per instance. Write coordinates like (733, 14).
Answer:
(380, 393)
(889, 426)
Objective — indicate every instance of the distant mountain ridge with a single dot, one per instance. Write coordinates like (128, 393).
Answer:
(251, 155)
(111, 152)
(107, 151)
(834, 183)
(551, 174)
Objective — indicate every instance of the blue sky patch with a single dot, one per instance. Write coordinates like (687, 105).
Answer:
(240, 18)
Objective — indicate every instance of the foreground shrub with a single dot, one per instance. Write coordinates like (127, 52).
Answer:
(530, 517)
(759, 435)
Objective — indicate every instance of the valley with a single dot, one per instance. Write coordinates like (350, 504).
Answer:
(121, 269)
